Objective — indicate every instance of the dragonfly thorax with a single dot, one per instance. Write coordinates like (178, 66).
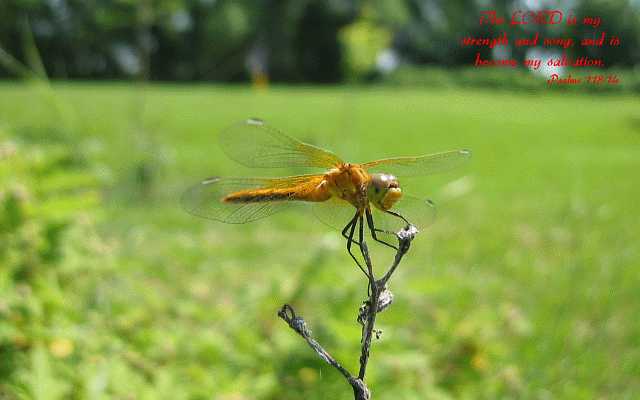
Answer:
(349, 182)
(384, 191)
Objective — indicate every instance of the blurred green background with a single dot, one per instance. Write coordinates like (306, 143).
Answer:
(526, 285)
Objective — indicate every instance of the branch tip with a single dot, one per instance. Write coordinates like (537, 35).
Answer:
(406, 235)
(288, 314)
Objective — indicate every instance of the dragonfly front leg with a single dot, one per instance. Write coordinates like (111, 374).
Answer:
(373, 231)
(395, 214)
(351, 226)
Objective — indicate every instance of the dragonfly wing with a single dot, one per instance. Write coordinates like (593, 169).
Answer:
(419, 166)
(337, 213)
(334, 212)
(419, 212)
(255, 144)
(206, 199)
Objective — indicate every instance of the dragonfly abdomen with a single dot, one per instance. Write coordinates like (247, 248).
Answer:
(300, 193)
(258, 196)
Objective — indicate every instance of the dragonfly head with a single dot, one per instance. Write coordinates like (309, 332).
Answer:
(384, 191)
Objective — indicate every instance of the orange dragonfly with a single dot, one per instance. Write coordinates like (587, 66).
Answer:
(345, 192)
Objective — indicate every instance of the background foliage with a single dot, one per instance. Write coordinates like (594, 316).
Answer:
(292, 40)
(525, 287)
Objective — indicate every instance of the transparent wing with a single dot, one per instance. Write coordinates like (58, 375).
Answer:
(419, 166)
(206, 199)
(419, 212)
(337, 213)
(255, 144)
(334, 212)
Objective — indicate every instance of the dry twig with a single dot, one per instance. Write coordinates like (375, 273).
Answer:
(379, 295)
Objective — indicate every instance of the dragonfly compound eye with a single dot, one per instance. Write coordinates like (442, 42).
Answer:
(384, 190)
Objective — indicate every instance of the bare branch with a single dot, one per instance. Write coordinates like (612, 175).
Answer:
(378, 287)
(370, 319)
(379, 294)
(297, 323)
(288, 314)
(405, 237)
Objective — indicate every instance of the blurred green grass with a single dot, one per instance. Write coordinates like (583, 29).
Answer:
(525, 287)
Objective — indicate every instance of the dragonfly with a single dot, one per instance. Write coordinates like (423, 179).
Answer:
(360, 195)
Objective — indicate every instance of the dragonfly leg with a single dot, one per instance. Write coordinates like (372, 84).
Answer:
(362, 249)
(373, 230)
(352, 228)
(395, 214)
(346, 228)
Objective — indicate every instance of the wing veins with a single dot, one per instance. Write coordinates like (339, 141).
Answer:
(254, 144)
(420, 165)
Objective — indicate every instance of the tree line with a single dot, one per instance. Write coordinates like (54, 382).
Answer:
(282, 40)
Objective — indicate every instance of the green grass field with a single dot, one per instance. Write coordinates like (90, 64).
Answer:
(526, 286)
